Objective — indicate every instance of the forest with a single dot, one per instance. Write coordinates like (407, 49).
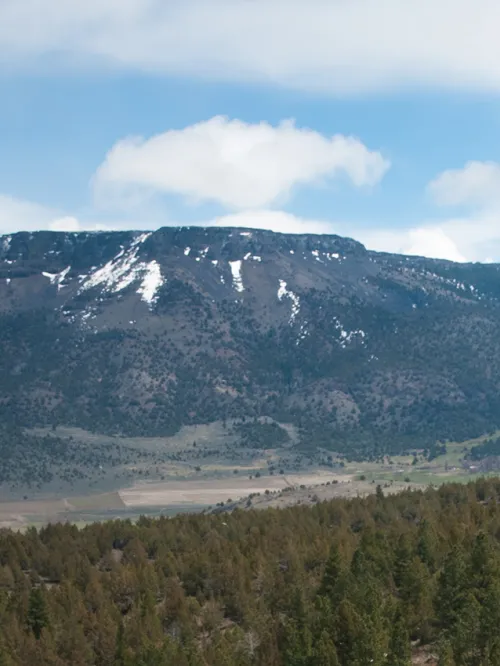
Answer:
(377, 580)
(490, 447)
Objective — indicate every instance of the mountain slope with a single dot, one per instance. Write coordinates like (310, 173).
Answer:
(141, 333)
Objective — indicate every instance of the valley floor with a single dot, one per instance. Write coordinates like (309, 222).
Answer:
(219, 481)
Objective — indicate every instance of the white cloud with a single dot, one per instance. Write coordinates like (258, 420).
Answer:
(19, 215)
(477, 184)
(65, 224)
(475, 237)
(426, 241)
(338, 46)
(237, 164)
(274, 220)
(457, 240)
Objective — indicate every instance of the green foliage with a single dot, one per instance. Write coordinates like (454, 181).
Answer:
(342, 583)
(37, 617)
(261, 435)
(490, 447)
(399, 645)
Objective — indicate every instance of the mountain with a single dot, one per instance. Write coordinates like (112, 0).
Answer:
(141, 333)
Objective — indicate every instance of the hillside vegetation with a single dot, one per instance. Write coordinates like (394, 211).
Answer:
(381, 580)
(141, 334)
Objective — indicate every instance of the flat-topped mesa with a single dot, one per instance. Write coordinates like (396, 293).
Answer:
(143, 332)
(233, 244)
(114, 262)
(218, 261)
(84, 249)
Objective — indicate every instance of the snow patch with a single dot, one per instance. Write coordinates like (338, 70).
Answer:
(57, 278)
(125, 269)
(303, 333)
(236, 272)
(51, 276)
(187, 251)
(151, 282)
(214, 262)
(346, 337)
(120, 272)
(283, 292)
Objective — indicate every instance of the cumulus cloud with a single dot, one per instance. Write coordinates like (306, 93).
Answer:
(20, 215)
(274, 220)
(426, 241)
(474, 236)
(471, 237)
(236, 164)
(335, 46)
(67, 223)
(476, 184)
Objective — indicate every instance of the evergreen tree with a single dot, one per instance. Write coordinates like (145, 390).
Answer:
(427, 545)
(446, 657)
(5, 659)
(37, 618)
(465, 633)
(120, 646)
(452, 588)
(325, 652)
(334, 580)
(399, 646)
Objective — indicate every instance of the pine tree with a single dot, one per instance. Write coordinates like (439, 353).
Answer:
(490, 622)
(37, 618)
(465, 634)
(351, 637)
(5, 659)
(427, 545)
(445, 654)
(452, 589)
(325, 652)
(399, 647)
(334, 580)
(105, 639)
(298, 645)
(120, 646)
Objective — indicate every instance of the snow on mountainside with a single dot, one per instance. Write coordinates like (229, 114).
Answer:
(137, 332)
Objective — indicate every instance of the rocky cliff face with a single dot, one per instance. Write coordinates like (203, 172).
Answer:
(140, 333)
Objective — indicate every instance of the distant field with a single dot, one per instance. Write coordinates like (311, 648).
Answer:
(211, 491)
(202, 467)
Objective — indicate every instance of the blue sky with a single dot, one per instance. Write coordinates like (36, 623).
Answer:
(207, 88)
